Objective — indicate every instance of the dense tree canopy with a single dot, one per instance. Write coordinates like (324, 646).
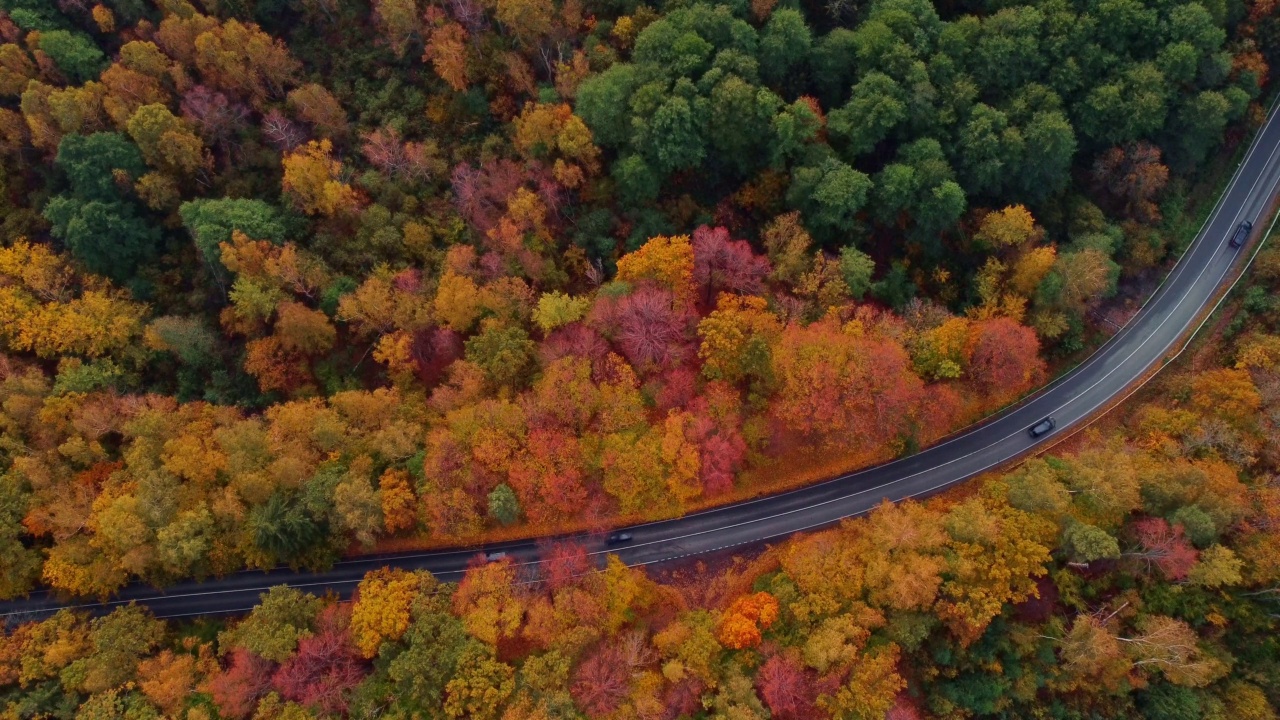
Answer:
(280, 279)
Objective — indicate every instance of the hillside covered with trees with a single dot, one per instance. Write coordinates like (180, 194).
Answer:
(1137, 576)
(283, 279)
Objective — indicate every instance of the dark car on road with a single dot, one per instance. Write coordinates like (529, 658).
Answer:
(616, 538)
(1041, 427)
(1242, 234)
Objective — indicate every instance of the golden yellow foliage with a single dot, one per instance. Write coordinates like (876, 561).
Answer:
(39, 313)
(668, 261)
(1031, 268)
(728, 329)
(311, 178)
(1011, 226)
(381, 609)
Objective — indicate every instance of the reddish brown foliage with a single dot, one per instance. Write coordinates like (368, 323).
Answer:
(565, 563)
(787, 688)
(548, 479)
(1164, 547)
(677, 388)
(283, 133)
(481, 193)
(1006, 357)
(651, 331)
(405, 160)
(723, 264)
(1134, 175)
(325, 668)
(682, 699)
(575, 339)
(213, 115)
(237, 689)
(433, 350)
(600, 684)
(903, 709)
(723, 455)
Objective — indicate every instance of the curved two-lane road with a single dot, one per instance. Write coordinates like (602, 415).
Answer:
(1145, 341)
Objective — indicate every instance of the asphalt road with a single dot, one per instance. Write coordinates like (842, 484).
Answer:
(1145, 341)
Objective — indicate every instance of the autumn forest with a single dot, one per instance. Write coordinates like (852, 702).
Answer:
(283, 281)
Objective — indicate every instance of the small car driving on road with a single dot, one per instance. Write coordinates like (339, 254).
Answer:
(1041, 427)
(1241, 234)
(619, 537)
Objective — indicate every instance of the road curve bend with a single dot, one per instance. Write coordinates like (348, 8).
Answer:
(1144, 341)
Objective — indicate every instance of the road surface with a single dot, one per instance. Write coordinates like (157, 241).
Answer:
(1143, 342)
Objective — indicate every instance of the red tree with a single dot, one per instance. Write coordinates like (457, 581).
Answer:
(723, 264)
(722, 456)
(433, 351)
(1135, 176)
(577, 340)
(600, 684)
(787, 688)
(1006, 357)
(213, 115)
(682, 699)
(903, 709)
(385, 150)
(481, 193)
(326, 667)
(1164, 547)
(650, 330)
(237, 689)
(679, 386)
(564, 563)
(548, 478)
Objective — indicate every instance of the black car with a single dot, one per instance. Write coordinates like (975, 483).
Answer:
(616, 538)
(1041, 427)
(1242, 234)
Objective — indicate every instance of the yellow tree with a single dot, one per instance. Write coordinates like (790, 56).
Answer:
(487, 603)
(380, 612)
(996, 555)
(736, 338)
(399, 504)
(667, 261)
(870, 691)
(553, 134)
(1010, 227)
(312, 179)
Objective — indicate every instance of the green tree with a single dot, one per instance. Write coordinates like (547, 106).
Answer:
(22, 564)
(100, 227)
(504, 353)
(675, 135)
(604, 102)
(74, 54)
(856, 267)
(91, 164)
(830, 195)
(877, 107)
(284, 530)
(785, 42)
(212, 222)
(108, 237)
(283, 616)
(503, 504)
(1085, 543)
(119, 642)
